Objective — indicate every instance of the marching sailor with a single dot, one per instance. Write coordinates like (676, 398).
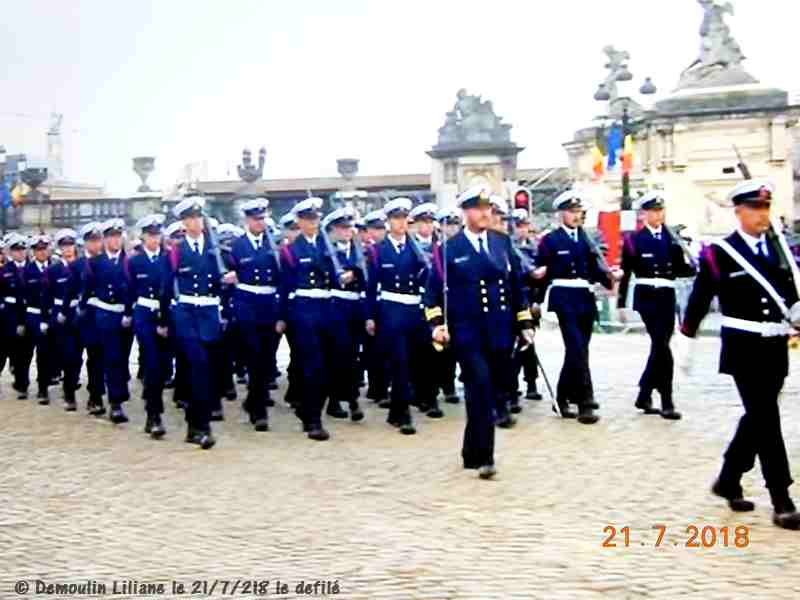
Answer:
(347, 312)
(35, 323)
(193, 280)
(569, 266)
(255, 272)
(11, 287)
(398, 270)
(750, 273)
(378, 388)
(146, 270)
(63, 289)
(653, 258)
(304, 295)
(486, 311)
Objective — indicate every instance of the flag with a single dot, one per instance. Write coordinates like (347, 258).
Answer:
(598, 164)
(5, 195)
(614, 146)
(627, 155)
(18, 194)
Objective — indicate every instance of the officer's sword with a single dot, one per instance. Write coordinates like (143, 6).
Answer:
(437, 346)
(556, 409)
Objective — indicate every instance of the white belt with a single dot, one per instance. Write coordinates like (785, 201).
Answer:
(572, 283)
(656, 282)
(115, 308)
(34, 311)
(256, 289)
(766, 329)
(10, 300)
(198, 300)
(345, 295)
(410, 299)
(150, 303)
(60, 302)
(313, 293)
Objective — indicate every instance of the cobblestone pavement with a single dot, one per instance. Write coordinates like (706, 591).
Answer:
(391, 516)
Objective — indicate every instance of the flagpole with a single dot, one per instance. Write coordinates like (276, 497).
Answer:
(626, 178)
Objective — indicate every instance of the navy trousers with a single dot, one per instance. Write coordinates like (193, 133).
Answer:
(575, 381)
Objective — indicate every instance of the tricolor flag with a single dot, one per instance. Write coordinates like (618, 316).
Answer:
(627, 155)
(598, 164)
(614, 146)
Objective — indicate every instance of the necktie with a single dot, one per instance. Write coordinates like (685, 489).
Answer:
(400, 248)
(574, 235)
(482, 248)
(761, 250)
(658, 235)
(197, 246)
(258, 243)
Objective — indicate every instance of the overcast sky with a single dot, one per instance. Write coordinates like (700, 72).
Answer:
(313, 80)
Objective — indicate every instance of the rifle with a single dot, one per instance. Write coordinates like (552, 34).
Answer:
(360, 260)
(741, 165)
(682, 243)
(337, 266)
(215, 249)
(601, 260)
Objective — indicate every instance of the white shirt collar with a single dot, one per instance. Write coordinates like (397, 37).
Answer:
(114, 256)
(312, 240)
(752, 241)
(200, 241)
(654, 230)
(474, 237)
(425, 240)
(343, 246)
(151, 255)
(396, 243)
(41, 266)
(255, 238)
(20, 265)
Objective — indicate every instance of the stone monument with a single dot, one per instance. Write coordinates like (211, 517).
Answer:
(474, 147)
(685, 143)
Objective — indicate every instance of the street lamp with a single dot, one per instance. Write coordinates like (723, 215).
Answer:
(603, 94)
(33, 177)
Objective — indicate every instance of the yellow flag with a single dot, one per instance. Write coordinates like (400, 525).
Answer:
(18, 193)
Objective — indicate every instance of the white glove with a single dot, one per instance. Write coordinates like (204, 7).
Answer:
(126, 321)
(794, 315)
(20, 330)
(162, 331)
(61, 318)
(224, 324)
(527, 336)
(685, 354)
(43, 327)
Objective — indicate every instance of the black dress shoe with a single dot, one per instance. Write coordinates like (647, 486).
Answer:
(43, 398)
(95, 408)
(169, 383)
(434, 412)
(407, 429)
(230, 394)
(734, 497)
(318, 433)
(566, 411)
(586, 415)
(533, 394)
(355, 412)
(487, 471)
(670, 414)
(157, 429)
(204, 439)
(452, 398)
(217, 415)
(514, 405)
(261, 424)
(644, 401)
(241, 379)
(385, 403)
(118, 415)
(506, 422)
(335, 410)
(22, 394)
(272, 385)
(70, 406)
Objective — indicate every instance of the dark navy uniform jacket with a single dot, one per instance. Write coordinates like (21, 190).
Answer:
(742, 297)
(306, 266)
(256, 268)
(34, 290)
(108, 282)
(11, 284)
(646, 257)
(347, 261)
(145, 282)
(405, 273)
(64, 285)
(486, 299)
(566, 259)
(191, 275)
